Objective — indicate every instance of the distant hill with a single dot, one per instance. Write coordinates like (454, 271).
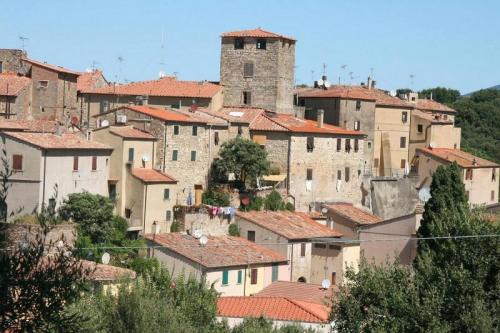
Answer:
(497, 87)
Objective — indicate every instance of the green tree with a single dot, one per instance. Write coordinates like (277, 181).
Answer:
(440, 94)
(215, 197)
(234, 230)
(274, 201)
(243, 157)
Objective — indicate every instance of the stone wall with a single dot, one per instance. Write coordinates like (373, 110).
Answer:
(393, 197)
(209, 225)
(24, 233)
(11, 61)
(19, 107)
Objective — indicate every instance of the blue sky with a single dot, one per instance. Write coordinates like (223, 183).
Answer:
(443, 43)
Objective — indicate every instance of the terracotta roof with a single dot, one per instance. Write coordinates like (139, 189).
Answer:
(129, 132)
(167, 86)
(306, 292)
(100, 272)
(53, 141)
(241, 114)
(55, 68)
(205, 116)
(167, 115)
(430, 105)
(434, 118)
(463, 159)
(291, 225)
(298, 125)
(380, 97)
(38, 125)
(274, 308)
(89, 81)
(152, 176)
(264, 123)
(354, 214)
(256, 33)
(220, 251)
(12, 85)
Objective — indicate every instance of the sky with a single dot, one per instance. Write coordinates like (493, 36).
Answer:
(405, 44)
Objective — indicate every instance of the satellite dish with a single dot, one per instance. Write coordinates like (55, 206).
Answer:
(203, 240)
(145, 158)
(326, 284)
(432, 145)
(320, 82)
(105, 258)
(104, 123)
(327, 84)
(324, 210)
(197, 233)
(424, 194)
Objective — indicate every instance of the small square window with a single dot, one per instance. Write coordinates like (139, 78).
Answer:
(75, 163)
(420, 128)
(358, 105)
(261, 44)
(239, 43)
(175, 154)
(166, 194)
(193, 155)
(310, 144)
(404, 116)
(195, 130)
(309, 175)
(247, 97)
(176, 129)
(43, 84)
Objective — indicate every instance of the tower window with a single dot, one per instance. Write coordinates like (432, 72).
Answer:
(358, 105)
(261, 44)
(239, 43)
(247, 97)
(309, 174)
(420, 128)
(310, 144)
(402, 142)
(404, 116)
(248, 69)
(356, 145)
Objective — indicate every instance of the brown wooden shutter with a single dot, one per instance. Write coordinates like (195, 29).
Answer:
(75, 163)
(253, 276)
(17, 162)
(94, 163)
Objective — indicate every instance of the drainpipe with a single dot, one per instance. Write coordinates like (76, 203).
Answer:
(44, 173)
(245, 283)
(153, 156)
(291, 263)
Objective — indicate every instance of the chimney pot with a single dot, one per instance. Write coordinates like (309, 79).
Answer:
(321, 114)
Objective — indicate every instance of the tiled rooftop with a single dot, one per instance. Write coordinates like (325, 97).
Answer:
(167, 115)
(241, 114)
(55, 68)
(354, 214)
(463, 159)
(220, 251)
(167, 86)
(434, 118)
(255, 33)
(129, 132)
(430, 105)
(88, 81)
(291, 225)
(53, 141)
(12, 85)
(152, 176)
(306, 292)
(297, 125)
(274, 308)
(100, 272)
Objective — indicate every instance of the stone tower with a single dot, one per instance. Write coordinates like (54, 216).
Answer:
(257, 69)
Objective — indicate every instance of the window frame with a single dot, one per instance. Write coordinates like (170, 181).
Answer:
(166, 194)
(274, 272)
(94, 163)
(358, 105)
(339, 145)
(19, 158)
(348, 145)
(254, 276)
(225, 277)
(76, 163)
(193, 155)
(194, 130)
(239, 43)
(261, 44)
(420, 128)
(347, 174)
(248, 69)
(356, 145)
(131, 155)
(310, 144)
(175, 155)
(303, 250)
(357, 125)
(239, 278)
(43, 85)
(309, 174)
(247, 97)
(402, 142)
(252, 238)
(404, 117)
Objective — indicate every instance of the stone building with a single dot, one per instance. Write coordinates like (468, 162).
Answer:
(11, 61)
(85, 83)
(257, 69)
(142, 195)
(15, 96)
(166, 92)
(384, 118)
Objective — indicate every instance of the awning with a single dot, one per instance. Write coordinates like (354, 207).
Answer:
(274, 178)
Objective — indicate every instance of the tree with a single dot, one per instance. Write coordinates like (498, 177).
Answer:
(215, 197)
(440, 94)
(403, 91)
(243, 157)
(274, 201)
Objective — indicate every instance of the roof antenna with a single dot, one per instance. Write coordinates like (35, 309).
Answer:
(412, 79)
(120, 60)
(23, 40)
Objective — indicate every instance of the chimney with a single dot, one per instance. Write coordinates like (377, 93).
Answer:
(321, 114)
(369, 82)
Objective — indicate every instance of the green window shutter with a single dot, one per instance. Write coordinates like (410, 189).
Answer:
(174, 155)
(166, 193)
(195, 130)
(193, 155)
(275, 273)
(225, 277)
(240, 276)
(131, 154)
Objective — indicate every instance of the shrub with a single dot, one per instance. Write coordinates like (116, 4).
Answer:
(175, 226)
(274, 201)
(234, 230)
(215, 197)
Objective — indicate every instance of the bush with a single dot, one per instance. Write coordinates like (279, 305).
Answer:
(274, 201)
(175, 226)
(215, 197)
(255, 204)
(234, 230)
(289, 206)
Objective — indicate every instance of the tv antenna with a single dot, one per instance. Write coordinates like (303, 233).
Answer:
(23, 41)
(312, 75)
(343, 67)
(412, 80)
(324, 68)
(120, 60)
(94, 63)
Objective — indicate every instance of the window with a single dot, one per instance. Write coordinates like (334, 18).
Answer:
(420, 128)
(247, 97)
(240, 130)
(176, 129)
(403, 163)
(225, 277)
(339, 144)
(166, 194)
(492, 195)
(251, 235)
(347, 145)
(320, 246)
(128, 213)
(75, 163)
(168, 215)
(339, 174)
(334, 278)
(493, 175)
(375, 162)
(104, 106)
(261, 44)
(356, 145)
(274, 275)
(404, 116)
(17, 162)
(195, 130)
(131, 154)
(346, 174)
(310, 144)
(253, 276)
(358, 105)
(402, 142)
(94, 163)
(369, 145)
(309, 175)
(468, 174)
(52, 205)
(248, 69)
(357, 125)
(240, 277)
(239, 43)
(302, 249)
(1, 67)
(112, 192)
(193, 155)
(216, 138)
(175, 152)
(43, 84)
